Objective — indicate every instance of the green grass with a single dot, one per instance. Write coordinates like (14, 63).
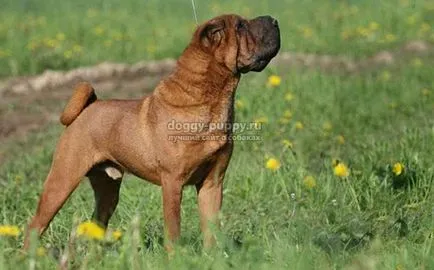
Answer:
(39, 35)
(371, 219)
(270, 218)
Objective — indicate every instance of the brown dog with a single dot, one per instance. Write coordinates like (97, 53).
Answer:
(104, 139)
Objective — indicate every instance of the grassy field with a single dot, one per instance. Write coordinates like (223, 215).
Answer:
(286, 203)
(39, 35)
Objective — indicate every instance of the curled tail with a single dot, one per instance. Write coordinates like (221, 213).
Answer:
(83, 96)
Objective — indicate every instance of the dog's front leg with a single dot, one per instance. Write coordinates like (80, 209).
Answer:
(172, 196)
(210, 196)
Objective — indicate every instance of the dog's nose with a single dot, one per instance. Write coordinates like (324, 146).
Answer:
(272, 20)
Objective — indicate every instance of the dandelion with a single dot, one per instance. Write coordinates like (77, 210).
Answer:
(284, 120)
(289, 96)
(41, 251)
(90, 230)
(98, 30)
(307, 32)
(341, 170)
(8, 230)
(239, 104)
(299, 125)
(373, 26)
(385, 76)
(417, 62)
(272, 164)
(67, 54)
(77, 48)
(327, 126)
(411, 20)
(340, 139)
(426, 92)
(261, 120)
(60, 36)
(309, 182)
(287, 143)
(390, 38)
(274, 81)
(117, 235)
(51, 43)
(287, 114)
(363, 32)
(151, 48)
(393, 105)
(398, 168)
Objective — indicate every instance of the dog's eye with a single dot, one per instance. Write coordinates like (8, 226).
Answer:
(241, 25)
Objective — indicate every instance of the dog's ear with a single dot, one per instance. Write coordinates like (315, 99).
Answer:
(211, 33)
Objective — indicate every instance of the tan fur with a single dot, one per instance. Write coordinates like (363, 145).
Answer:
(105, 138)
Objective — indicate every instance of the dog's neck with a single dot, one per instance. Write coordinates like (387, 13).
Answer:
(200, 85)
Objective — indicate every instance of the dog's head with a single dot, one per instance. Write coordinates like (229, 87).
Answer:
(239, 44)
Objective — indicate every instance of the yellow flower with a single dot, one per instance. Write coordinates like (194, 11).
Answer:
(284, 120)
(340, 139)
(398, 168)
(390, 38)
(309, 182)
(274, 81)
(239, 104)
(60, 36)
(287, 114)
(385, 76)
(117, 235)
(67, 54)
(287, 143)
(7, 230)
(289, 96)
(272, 164)
(411, 20)
(425, 27)
(299, 125)
(426, 92)
(393, 105)
(327, 126)
(374, 26)
(98, 30)
(261, 120)
(77, 48)
(307, 32)
(341, 170)
(41, 251)
(51, 43)
(417, 62)
(363, 32)
(90, 230)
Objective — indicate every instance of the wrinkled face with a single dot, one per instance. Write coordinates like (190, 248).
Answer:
(239, 44)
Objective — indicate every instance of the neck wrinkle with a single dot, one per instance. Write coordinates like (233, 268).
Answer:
(209, 83)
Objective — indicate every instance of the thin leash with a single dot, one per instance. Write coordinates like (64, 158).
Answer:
(194, 11)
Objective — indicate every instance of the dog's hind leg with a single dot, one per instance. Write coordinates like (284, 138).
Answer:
(106, 182)
(73, 158)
